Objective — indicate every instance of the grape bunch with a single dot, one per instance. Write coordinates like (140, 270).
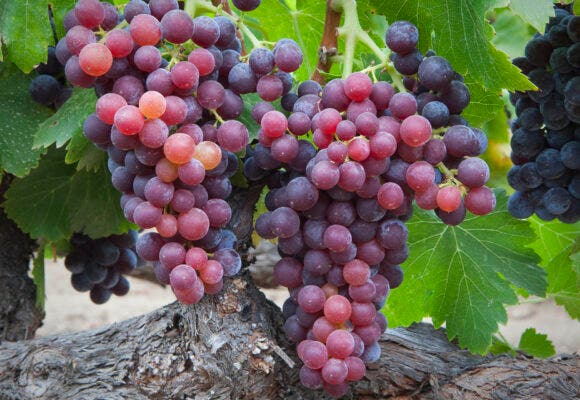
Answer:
(169, 91)
(98, 265)
(337, 207)
(546, 133)
(48, 87)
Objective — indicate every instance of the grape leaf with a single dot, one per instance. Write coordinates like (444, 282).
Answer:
(497, 129)
(304, 25)
(556, 245)
(19, 119)
(500, 346)
(484, 105)
(462, 35)
(55, 200)
(553, 237)
(246, 117)
(512, 33)
(68, 120)
(39, 203)
(260, 208)
(462, 275)
(534, 12)
(497, 154)
(536, 344)
(59, 10)
(25, 31)
(80, 150)
(97, 212)
(376, 25)
(564, 282)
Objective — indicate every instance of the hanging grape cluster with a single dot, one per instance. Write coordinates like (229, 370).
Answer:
(98, 265)
(169, 91)
(546, 137)
(49, 86)
(337, 207)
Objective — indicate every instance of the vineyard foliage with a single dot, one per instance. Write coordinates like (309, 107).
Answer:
(462, 276)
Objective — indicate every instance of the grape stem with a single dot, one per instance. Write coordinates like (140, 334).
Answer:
(449, 177)
(175, 52)
(352, 32)
(103, 33)
(372, 68)
(218, 117)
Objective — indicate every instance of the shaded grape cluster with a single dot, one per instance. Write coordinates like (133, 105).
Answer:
(98, 265)
(167, 118)
(48, 87)
(546, 133)
(337, 206)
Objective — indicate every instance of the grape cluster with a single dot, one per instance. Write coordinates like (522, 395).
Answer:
(48, 87)
(169, 90)
(98, 265)
(337, 207)
(546, 133)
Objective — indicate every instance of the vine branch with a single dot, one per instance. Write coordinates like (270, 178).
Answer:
(329, 43)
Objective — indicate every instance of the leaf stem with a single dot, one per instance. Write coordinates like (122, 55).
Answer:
(503, 339)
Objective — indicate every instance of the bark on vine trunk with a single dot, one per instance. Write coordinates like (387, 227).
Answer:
(19, 315)
(231, 347)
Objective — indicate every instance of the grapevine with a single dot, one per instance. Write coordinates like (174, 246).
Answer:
(193, 100)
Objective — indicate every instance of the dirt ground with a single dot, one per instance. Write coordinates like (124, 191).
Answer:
(70, 311)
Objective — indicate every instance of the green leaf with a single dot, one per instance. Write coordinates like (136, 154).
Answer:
(376, 25)
(97, 212)
(39, 202)
(553, 238)
(19, 119)
(536, 344)
(55, 200)
(534, 12)
(564, 282)
(484, 105)
(500, 346)
(512, 33)
(497, 129)
(246, 117)
(80, 150)
(497, 153)
(304, 25)
(26, 32)
(462, 35)
(59, 10)
(557, 246)
(462, 275)
(260, 208)
(38, 277)
(576, 8)
(68, 120)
